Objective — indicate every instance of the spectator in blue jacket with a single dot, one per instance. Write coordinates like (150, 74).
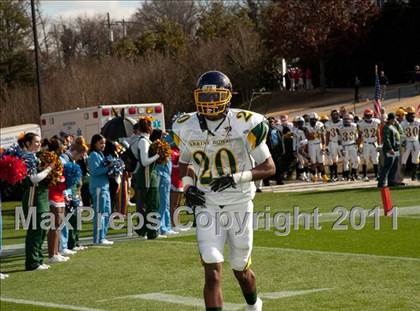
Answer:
(164, 181)
(99, 190)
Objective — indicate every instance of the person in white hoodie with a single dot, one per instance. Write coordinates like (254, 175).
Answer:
(145, 178)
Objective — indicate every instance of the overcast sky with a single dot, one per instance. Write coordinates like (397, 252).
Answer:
(68, 8)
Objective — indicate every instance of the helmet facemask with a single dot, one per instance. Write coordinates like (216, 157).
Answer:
(368, 118)
(312, 121)
(212, 101)
(335, 116)
(347, 120)
(410, 117)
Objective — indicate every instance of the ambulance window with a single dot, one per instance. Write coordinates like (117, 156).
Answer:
(86, 116)
(51, 120)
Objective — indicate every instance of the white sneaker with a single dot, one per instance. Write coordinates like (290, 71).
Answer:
(256, 307)
(366, 178)
(172, 232)
(3, 276)
(67, 252)
(106, 242)
(161, 236)
(79, 248)
(57, 258)
(43, 267)
(64, 257)
(179, 229)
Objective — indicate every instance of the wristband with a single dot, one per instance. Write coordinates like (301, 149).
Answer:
(187, 181)
(242, 177)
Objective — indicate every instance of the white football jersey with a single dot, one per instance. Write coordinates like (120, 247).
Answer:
(348, 134)
(411, 130)
(299, 138)
(369, 130)
(317, 131)
(223, 149)
(332, 128)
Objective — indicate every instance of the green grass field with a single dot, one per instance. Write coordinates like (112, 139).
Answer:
(323, 269)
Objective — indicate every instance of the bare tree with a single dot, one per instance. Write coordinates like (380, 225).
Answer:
(151, 13)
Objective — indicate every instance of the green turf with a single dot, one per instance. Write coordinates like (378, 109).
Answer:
(386, 277)
(325, 201)
(136, 267)
(387, 242)
(366, 198)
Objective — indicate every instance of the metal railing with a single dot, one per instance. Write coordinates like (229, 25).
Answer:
(406, 91)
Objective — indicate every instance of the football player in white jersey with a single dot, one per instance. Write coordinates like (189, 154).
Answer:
(299, 144)
(368, 136)
(316, 140)
(410, 139)
(348, 139)
(331, 129)
(219, 147)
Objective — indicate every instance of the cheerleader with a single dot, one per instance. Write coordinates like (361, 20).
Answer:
(99, 190)
(35, 195)
(57, 208)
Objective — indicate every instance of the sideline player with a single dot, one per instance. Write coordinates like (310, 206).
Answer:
(315, 134)
(299, 144)
(368, 134)
(348, 137)
(410, 139)
(219, 147)
(331, 128)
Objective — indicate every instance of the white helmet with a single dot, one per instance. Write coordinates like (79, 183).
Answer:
(299, 119)
(313, 115)
(347, 118)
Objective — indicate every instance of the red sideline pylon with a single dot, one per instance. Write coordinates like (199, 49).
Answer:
(386, 200)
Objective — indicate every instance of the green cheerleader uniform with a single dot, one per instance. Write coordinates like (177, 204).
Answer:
(35, 196)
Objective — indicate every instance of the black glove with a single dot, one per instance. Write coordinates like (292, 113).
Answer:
(194, 196)
(222, 183)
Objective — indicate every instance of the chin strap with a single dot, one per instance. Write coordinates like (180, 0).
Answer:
(203, 124)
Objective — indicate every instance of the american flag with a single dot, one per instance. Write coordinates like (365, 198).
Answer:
(377, 105)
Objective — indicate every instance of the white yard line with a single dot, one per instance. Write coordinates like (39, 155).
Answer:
(47, 304)
(410, 217)
(188, 301)
(197, 302)
(320, 187)
(291, 293)
(309, 251)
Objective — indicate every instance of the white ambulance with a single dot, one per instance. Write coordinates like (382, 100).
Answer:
(88, 121)
(10, 135)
